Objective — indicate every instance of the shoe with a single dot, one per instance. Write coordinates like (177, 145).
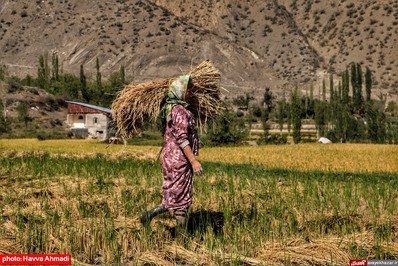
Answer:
(147, 216)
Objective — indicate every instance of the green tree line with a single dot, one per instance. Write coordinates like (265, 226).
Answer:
(347, 114)
(343, 113)
(51, 78)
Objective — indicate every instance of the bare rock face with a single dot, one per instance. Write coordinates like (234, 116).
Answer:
(255, 44)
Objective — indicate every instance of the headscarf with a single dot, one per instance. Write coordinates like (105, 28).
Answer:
(175, 96)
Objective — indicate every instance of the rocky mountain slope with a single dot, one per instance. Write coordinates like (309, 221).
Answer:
(255, 43)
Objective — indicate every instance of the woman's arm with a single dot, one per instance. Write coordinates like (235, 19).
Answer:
(197, 167)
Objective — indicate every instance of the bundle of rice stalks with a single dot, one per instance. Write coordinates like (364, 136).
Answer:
(137, 103)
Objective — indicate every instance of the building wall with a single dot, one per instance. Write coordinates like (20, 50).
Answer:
(76, 120)
(95, 123)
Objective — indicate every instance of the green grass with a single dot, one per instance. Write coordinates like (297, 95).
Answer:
(88, 207)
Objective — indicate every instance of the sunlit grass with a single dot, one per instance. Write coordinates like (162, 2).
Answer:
(78, 147)
(291, 204)
(330, 158)
(89, 207)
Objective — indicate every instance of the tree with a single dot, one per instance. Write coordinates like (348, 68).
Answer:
(345, 88)
(122, 75)
(356, 83)
(331, 89)
(55, 67)
(264, 119)
(2, 118)
(115, 83)
(268, 100)
(296, 115)
(228, 128)
(376, 122)
(288, 107)
(23, 113)
(98, 76)
(333, 105)
(320, 117)
(243, 102)
(28, 80)
(42, 74)
(358, 96)
(83, 85)
(3, 73)
(70, 86)
(368, 84)
(281, 113)
(323, 90)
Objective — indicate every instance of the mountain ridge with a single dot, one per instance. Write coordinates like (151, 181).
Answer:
(255, 44)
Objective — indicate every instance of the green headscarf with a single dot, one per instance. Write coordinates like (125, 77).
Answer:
(175, 96)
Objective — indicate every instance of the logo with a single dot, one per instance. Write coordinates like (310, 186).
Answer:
(358, 263)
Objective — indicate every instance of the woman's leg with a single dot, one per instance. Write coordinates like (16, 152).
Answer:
(147, 216)
(181, 217)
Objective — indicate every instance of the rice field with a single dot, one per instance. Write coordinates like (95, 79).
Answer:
(307, 204)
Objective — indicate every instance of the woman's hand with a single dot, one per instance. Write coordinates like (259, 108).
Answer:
(197, 167)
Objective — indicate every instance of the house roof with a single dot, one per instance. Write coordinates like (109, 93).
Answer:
(97, 108)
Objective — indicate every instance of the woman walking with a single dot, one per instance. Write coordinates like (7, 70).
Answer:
(181, 145)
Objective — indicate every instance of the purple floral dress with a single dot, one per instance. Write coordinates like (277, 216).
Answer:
(177, 170)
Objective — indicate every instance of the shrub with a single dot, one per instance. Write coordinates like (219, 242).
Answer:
(14, 84)
(227, 129)
(276, 139)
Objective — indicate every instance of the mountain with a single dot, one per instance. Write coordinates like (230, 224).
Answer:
(255, 44)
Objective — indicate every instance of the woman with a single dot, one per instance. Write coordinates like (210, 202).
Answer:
(181, 145)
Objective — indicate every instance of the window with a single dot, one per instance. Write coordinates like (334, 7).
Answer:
(80, 117)
(95, 120)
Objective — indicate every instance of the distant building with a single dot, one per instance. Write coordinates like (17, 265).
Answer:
(89, 121)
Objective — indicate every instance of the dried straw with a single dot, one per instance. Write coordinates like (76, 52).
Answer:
(137, 103)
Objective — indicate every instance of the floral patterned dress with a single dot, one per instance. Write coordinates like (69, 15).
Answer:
(177, 170)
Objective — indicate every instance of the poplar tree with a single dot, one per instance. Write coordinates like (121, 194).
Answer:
(358, 101)
(320, 117)
(83, 85)
(264, 119)
(356, 83)
(23, 113)
(122, 75)
(2, 118)
(368, 84)
(41, 73)
(376, 124)
(359, 77)
(46, 68)
(354, 79)
(55, 67)
(331, 89)
(296, 115)
(268, 100)
(332, 103)
(288, 107)
(98, 77)
(345, 88)
(339, 91)
(281, 113)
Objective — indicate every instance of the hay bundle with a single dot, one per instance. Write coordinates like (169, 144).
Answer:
(137, 103)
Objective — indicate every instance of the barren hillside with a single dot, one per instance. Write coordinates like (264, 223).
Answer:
(254, 43)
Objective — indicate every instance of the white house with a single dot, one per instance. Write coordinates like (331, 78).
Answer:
(89, 121)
